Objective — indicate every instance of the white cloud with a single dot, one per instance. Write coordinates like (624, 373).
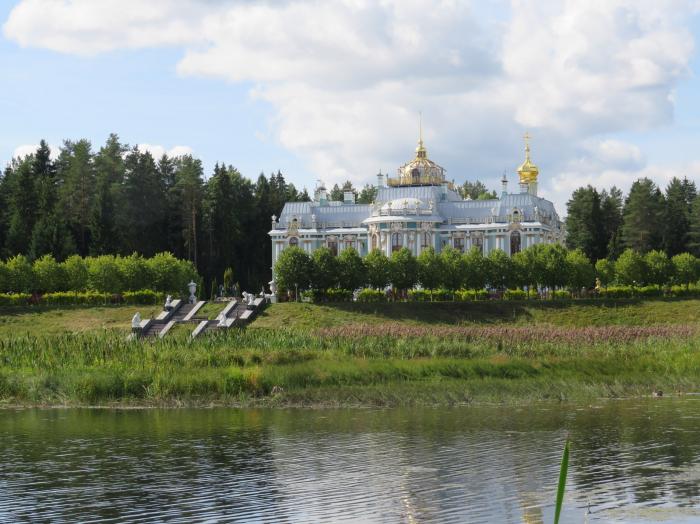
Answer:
(348, 77)
(89, 27)
(158, 151)
(29, 149)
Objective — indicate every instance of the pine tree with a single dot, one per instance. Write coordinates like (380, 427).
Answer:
(694, 230)
(367, 195)
(221, 222)
(21, 211)
(336, 193)
(188, 185)
(50, 234)
(76, 172)
(611, 219)
(143, 211)
(109, 180)
(642, 229)
(584, 226)
(680, 195)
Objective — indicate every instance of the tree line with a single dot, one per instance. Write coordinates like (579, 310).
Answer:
(603, 223)
(539, 268)
(105, 274)
(120, 200)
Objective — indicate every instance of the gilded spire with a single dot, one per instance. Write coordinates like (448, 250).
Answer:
(528, 171)
(420, 150)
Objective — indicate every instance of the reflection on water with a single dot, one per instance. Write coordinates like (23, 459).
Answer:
(631, 461)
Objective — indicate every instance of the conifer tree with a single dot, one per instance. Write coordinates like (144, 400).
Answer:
(21, 212)
(611, 220)
(680, 195)
(642, 228)
(109, 180)
(143, 212)
(584, 225)
(77, 190)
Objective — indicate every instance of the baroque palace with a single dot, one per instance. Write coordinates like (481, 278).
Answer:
(420, 209)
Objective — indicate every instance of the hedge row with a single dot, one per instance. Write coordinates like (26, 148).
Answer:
(85, 298)
(369, 295)
(106, 274)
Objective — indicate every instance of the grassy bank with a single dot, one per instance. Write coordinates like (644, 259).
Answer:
(391, 354)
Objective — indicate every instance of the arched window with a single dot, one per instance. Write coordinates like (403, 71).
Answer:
(333, 246)
(375, 241)
(425, 241)
(459, 244)
(395, 242)
(293, 242)
(415, 175)
(514, 242)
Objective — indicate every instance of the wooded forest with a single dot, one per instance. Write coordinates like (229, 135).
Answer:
(120, 200)
(603, 223)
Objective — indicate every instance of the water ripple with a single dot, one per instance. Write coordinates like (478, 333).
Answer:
(485, 464)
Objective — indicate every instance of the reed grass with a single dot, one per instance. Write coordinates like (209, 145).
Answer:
(292, 366)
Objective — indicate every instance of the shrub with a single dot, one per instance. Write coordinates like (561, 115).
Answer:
(20, 274)
(561, 294)
(74, 298)
(134, 273)
(49, 275)
(419, 295)
(75, 269)
(104, 274)
(515, 294)
(617, 292)
(339, 295)
(14, 299)
(171, 275)
(143, 296)
(649, 291)
(4, 278)
(371, 295)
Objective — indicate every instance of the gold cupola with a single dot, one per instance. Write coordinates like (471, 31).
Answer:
(528, 171)
(421, 171)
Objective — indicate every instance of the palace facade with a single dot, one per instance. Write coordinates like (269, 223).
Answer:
(420, 209)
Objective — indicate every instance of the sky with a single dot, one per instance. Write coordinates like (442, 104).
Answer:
(333, 89)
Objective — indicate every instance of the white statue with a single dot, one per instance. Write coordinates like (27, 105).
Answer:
(136, 321)
(168, 303)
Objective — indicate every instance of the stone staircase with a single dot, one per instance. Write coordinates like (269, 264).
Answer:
(232, 314)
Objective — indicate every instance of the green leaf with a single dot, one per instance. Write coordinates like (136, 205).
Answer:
(563, 469)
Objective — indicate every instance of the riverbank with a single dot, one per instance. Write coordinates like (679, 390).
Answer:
(366, 355)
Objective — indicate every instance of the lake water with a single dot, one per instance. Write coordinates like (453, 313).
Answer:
(631, 461)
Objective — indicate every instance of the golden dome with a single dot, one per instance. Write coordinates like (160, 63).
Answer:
(527, 170)
(421, 170)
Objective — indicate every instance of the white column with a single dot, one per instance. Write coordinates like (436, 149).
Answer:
(419, 242)
(405, 240)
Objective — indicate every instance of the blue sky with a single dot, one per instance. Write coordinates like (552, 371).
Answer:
(138, 95)
(333, 90)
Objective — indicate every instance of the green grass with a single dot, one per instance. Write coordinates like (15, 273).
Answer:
(69, 319)
(564, 313)
(288, 357)
(211, 309)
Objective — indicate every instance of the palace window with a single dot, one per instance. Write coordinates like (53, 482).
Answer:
(425, 240)
(349, 244)
(375, 241)
(395, 242)
(293, 242)
(514, 242)
(333, 246)
(478, 242)
(459, 244)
